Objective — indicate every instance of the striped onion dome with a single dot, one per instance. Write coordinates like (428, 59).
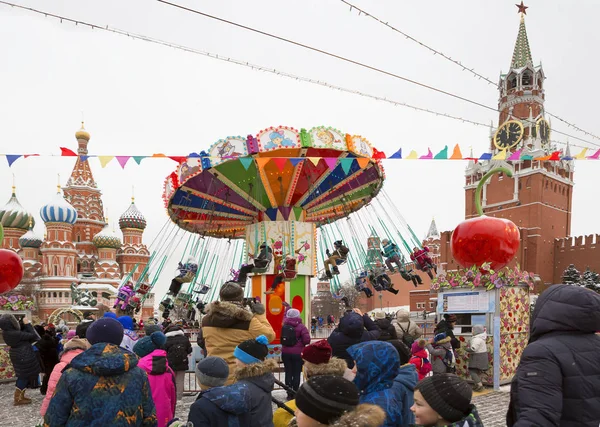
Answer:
(132, 218)
(30, 240)
(106, 239)
(59, 210)
(13, 215)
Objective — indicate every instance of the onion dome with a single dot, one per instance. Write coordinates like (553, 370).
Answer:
(107, 239)
(58, 210)
(132, 218)
(82, 133)
(30, 240)
(13, 215)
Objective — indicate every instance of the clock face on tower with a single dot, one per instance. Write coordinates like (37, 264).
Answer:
(543, 130)
(508, 135)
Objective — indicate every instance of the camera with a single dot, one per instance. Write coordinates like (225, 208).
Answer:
(247, 302)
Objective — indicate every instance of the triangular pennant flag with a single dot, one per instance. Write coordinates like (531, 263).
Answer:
(83, 158)
(158, 155)
(397, 154)
(30, 155)
(485, 156)
(346, 165)
(331, 162)
(193, 155)
(178, 159)
(500, 156)
(262, 161)
(515, 156)
(377, 154)
(442, 155)
(66, 152)
(104, 160)
(280, 162)
(138, 159)
(427, 156)
(297, 213)
(246, 162)
(542, 158)
(295, 161)
(315, 160)
(456, 154)
(555, 156)
(595, 156)
(11, 158)
(582, 154)
(362, 162)
(413, 155)
(526, 157)
(123, 160)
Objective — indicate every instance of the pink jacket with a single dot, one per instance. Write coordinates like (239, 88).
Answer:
(73, 348)
(162, 385)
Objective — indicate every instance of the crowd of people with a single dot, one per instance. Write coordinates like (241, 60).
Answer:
(368, 373)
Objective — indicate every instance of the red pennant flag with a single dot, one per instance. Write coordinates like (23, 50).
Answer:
(378, 154)
(30, 155)
(555, 156)
(178, 159)
(280, 162)
(67, 153)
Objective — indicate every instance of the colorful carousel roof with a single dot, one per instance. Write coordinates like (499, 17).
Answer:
(318, 176)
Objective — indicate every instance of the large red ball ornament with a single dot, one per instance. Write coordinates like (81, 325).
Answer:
(11, 270)
(485, 239)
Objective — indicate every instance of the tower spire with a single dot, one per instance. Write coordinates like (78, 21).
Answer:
(522, 52)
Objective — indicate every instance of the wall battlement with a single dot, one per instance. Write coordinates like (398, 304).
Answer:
(577, 242)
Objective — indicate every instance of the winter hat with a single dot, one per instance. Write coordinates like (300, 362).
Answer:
(317, 353)
(150, 328)
(231, 292)
(81, 329)
(252, 351)
(126, 321)
(379, 315)
(441, 338)
(212, 371)
(105, 330)
(292, 313)
(418, 345)
(148, 344)
(71, 334)
(478, 329)
(326, 398)
(448, 395)
(110, 314)
(402, 315)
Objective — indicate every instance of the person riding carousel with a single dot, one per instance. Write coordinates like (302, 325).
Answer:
(394, 256)
(422, 260)
(265, 256)
(289, 271)
(380, 280)
(361, 285)
(339, 256)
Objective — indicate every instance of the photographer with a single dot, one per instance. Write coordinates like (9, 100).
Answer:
(228, 323)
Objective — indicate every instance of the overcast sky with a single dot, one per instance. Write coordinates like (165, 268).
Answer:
(139, 98)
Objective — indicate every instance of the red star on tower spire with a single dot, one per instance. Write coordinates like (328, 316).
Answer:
(522, 8)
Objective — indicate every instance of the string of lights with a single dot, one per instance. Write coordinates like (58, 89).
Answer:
(455, 62)
(256, 67)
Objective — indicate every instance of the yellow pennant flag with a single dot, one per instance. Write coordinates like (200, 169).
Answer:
(412, 156)
(104, 160)
(315, 160)
(500, 156)
(581, 155)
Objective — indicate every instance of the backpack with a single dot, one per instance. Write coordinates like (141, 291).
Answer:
(406, 337)
(288, 336)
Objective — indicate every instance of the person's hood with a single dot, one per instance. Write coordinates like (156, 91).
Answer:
(260, 374)
(407, 376)
(478, 329)
(364, 415)
(377, 364)
(235, 399)
(76, 344)
(566, 308)
(336, 367)
(444, 344)
(224, 314)
(352, 325)
(420, 352)
(173, 328)
(104, 359)
(383, 323)
(68, 355)
(471, 420)
(443, 341)
(292, 321)
(402, 316)
(154, 363)
(482, 335)
(174, 333)
(8, 322)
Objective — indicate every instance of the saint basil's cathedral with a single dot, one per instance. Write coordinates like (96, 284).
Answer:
(80, 250)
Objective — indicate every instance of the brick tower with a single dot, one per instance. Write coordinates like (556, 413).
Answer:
(538, 196)
(133, 255)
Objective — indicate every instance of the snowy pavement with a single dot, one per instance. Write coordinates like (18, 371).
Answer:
(491, 405)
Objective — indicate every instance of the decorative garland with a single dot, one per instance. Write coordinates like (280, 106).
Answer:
(483, 277)
(16, 303)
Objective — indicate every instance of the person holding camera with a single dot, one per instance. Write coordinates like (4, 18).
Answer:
(231, 321)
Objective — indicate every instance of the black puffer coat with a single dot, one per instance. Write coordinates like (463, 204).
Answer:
(558, 379)
(178, 347)
(22, 356)
(48, 347)
(351, 330)
(389, 334)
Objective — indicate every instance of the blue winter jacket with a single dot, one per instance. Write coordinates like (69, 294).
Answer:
(222, 406)
(102, 387)
(391, 250)
(382, 382)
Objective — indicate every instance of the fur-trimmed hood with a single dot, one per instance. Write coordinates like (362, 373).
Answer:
(224, 314)
(364, 415)
(255, 369)
(8, 322)
(336, 367)
(76, 344)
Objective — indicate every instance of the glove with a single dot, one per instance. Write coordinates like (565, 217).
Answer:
(327, 252)
(382, 254)
(257, 308)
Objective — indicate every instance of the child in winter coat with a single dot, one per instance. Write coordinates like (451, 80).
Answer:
(72, 348)
(420, 358)
(442, 356)
(444, 400)
(478, 356)
(153, 360)
(383, 382)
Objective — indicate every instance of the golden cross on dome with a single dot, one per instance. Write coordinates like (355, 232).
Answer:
(522, 8)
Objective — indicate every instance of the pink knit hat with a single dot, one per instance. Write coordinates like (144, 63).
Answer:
(71, 334)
